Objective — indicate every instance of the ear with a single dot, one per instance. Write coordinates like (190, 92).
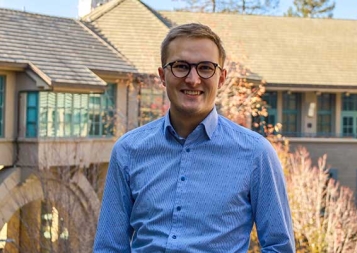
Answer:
(162, 75)
(222, 78)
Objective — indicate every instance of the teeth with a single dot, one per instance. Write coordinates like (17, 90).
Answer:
(192, 92)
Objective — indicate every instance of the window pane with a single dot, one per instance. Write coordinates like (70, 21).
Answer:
(152, 104)
(32, 114)
(101, 112)
(32, 100)
(52, 114)
(349, 102)
(291, 113)
(349, 115)
(67, 114)
(347, 126)
(269, 102)
(325, 113)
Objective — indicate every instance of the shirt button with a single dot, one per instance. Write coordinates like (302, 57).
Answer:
(188, 150)
(174, 237)
(178, 208)
(183, 178)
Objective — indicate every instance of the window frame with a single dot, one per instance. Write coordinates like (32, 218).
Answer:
(32, 132)
(287, 111)
(107, 108)
(349, 110)
(322, 101)
(270, 101)
(66, 115)
(149, 109)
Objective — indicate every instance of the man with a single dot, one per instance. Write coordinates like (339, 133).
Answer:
(193, 181)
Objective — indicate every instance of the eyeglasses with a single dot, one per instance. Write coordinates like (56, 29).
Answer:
(181, 69)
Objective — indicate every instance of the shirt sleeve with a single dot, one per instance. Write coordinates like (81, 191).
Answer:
(270, 204)
(114, 231)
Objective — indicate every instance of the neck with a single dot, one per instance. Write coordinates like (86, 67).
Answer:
(184, 125)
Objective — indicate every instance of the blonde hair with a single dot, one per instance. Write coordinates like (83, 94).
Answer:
(192, 30)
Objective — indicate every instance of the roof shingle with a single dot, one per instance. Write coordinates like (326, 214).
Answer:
(62, 49)
(283, 50)
(287, 50)
(133, 29)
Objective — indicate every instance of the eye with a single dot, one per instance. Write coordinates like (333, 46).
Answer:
(181, 66)
(205, 67)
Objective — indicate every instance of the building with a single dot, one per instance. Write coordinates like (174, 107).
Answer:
(69, 87)
(310, 66)
(63, 101)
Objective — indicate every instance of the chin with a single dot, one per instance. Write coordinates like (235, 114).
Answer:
(192, 111)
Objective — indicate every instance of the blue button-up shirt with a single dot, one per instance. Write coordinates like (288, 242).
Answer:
(164, 193)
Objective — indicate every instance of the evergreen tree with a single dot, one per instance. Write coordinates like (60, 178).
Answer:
(312, 9)
(233, 6)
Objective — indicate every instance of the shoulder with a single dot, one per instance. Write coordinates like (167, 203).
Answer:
(236, 131)
(243, 137)
(150, 130)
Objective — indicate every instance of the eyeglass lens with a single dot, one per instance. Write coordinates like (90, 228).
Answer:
(204, 69)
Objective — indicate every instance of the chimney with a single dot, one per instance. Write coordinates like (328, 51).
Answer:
(86, 6)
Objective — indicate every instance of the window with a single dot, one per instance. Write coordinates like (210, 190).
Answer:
(325, 114)
(152, 104)
(47, 113)
(71, 115)
(101, 113)
(2, 106)
(31, 112)
(291, 114)
(270, 99)
(333, 173)
(349, 115)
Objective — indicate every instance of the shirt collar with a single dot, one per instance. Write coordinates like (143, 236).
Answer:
(209, 123)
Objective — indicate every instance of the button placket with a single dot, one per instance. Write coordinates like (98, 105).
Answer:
(177, 212)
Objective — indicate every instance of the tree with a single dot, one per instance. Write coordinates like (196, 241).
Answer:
(233, 6)
(324, 213)
(311, 9)
(239, 99)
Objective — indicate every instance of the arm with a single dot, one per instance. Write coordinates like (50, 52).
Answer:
(114, 231)
(271, 211)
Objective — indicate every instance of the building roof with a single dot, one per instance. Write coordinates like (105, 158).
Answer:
(61, 51)
(133, 29)
(287, 50)
(284, 51)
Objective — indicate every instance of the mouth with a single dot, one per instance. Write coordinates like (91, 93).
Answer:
(192, 92)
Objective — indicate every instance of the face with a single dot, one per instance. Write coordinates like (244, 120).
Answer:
(192, 96)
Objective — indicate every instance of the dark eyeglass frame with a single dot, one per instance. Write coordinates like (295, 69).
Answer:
(196, 67)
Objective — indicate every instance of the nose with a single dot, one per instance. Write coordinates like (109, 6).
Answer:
(193, 77)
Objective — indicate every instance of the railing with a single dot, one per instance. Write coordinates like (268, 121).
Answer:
(319, 135)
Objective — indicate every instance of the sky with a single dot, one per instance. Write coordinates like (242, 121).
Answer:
(345, 9)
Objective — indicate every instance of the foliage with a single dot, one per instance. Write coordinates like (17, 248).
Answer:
(233, 6)
(240, 97)
(324, 213)
(151, 98)
(311, 9)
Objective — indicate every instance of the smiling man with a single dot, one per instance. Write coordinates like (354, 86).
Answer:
(193, 181)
